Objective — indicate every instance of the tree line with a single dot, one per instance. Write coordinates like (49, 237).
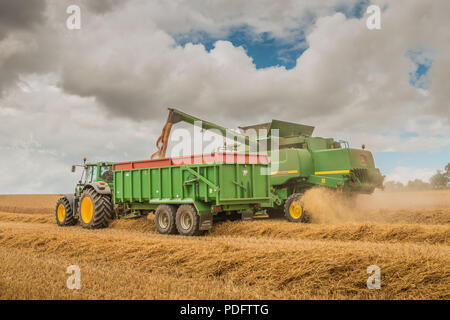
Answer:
(440, 180)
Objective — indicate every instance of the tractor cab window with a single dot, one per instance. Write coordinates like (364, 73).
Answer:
(106, 174)
(91, 174)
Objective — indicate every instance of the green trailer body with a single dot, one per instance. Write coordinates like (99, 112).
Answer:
(210, 187)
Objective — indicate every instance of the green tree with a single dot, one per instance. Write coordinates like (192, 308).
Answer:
(440, 180)
(418, 185)
(393, 186)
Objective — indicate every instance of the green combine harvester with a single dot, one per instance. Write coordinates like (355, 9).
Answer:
(189, 193)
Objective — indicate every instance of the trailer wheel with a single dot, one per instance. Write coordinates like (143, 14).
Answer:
(165, 219)
(293, 209)
(95, 210)
(64, 213)
(187, 220)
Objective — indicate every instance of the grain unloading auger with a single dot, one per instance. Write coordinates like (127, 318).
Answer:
(176, 116)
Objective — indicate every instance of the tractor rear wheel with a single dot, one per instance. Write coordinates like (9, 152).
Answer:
(187, 220)
(64, 213)
(95, 210)
(165, 219)
(294, 210)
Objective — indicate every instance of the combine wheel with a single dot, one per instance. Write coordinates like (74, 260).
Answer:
(187, 220)
(95, 210)
(165, 219)
(293, 209)
(64, 213)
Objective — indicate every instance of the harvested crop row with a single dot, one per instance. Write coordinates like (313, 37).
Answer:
(28, 203)
(26, 217)
(299, 269)
(279, 229)
(44, 277)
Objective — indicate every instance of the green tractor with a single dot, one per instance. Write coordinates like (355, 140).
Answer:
(91, 204)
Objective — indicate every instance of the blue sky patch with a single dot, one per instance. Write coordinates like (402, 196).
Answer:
(265, 49)
(423, 60)
(388, 161)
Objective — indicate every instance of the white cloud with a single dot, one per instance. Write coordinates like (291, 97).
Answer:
(405, 174)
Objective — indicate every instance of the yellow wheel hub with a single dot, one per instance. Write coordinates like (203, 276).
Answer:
(295, 210)
(61, 213)
(87, 210)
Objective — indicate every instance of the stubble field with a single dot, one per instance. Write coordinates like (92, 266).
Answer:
(405, 234)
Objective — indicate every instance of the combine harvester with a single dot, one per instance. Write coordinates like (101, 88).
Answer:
(188, 193)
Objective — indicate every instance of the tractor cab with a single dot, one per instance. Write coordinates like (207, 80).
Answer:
(94, 172)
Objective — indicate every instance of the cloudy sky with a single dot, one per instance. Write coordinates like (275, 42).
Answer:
(102, 91)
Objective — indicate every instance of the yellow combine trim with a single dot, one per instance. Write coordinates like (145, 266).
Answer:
(331, 172)
(284, 172)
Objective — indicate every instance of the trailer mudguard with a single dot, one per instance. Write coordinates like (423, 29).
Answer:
(206, 221)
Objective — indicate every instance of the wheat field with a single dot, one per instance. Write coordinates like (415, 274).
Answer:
(405, 234)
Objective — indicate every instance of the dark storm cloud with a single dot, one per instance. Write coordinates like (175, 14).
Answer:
(20, 15)
(25, 47)
(101, 6)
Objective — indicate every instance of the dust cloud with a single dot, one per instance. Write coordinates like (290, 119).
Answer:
(328, 206)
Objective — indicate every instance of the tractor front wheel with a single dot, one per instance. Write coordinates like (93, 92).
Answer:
(294, 210)
(95, 210)
(64, 213)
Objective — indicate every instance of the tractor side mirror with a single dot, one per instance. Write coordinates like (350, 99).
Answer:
(73, 168)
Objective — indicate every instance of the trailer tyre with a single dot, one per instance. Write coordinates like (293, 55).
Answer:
(165, 219)
(294, 210)
(64, 213)
(187, 220)
(95, 210)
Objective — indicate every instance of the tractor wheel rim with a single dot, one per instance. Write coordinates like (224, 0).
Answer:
(186, 220)
(295, 210)
(61, 213)
(163, 220)
(87, 210)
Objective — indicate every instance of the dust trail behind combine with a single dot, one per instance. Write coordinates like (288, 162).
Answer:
(329, 207)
